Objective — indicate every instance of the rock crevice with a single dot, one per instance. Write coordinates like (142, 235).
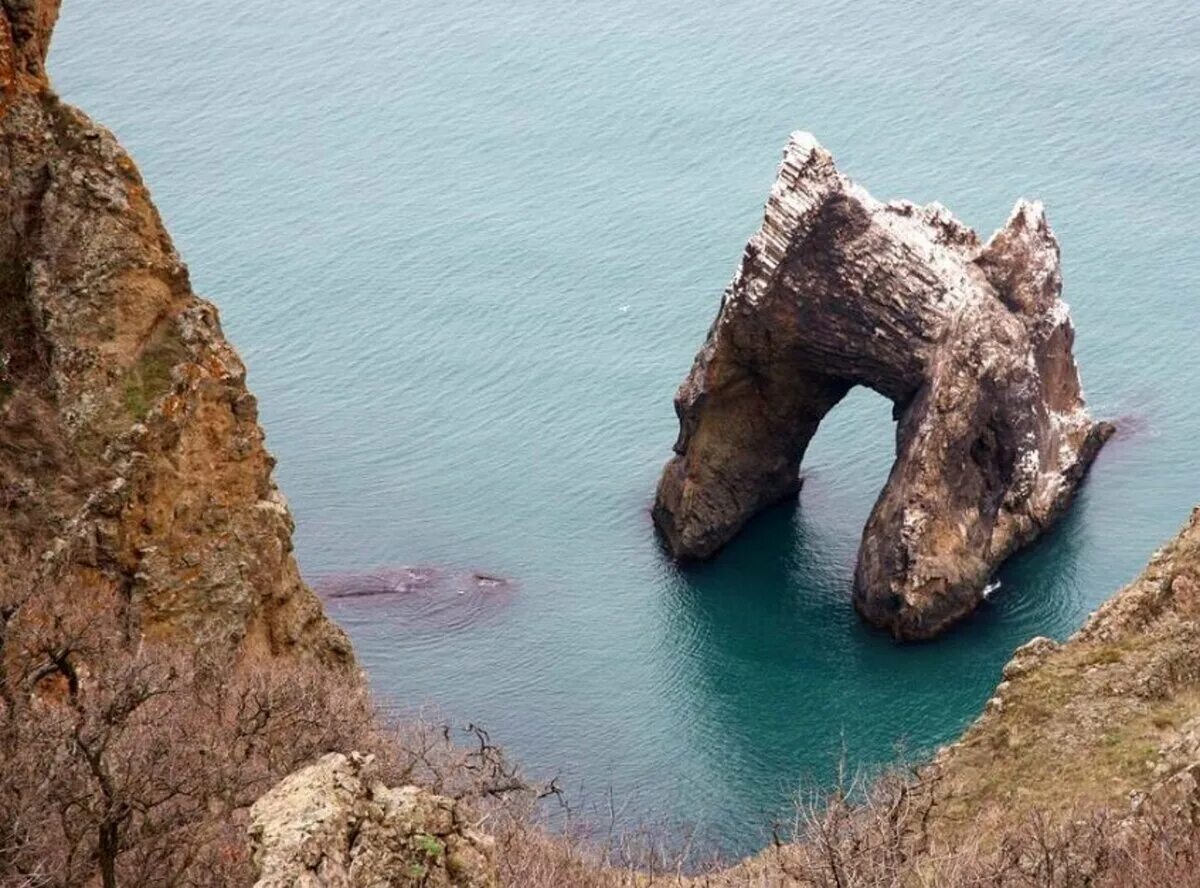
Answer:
(969, 340)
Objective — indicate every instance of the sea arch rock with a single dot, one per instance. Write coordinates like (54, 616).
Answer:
(970, 341)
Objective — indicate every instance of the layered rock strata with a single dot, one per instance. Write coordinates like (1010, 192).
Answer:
(969, 340)
(130, 452)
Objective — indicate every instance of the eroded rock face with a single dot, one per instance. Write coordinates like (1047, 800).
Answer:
(1110, 716)
(129, 446)
(971, 343)
(331, 825)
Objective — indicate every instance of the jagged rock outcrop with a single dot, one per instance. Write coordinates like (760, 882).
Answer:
(331, 824)
(1109, 717)
(971, 343)
(130, 452)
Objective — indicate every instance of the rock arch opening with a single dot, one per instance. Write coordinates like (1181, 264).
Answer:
(969, 341)
(844, 468)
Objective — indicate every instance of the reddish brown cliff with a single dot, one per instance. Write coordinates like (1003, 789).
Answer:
(130, 452)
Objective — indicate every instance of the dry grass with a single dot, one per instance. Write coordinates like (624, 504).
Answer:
(886, 838)
(127, 764)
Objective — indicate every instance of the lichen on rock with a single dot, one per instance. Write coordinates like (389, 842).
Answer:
(332, 824)
(970, 341)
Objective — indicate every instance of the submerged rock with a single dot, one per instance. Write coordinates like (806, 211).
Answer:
(971, 343)
(409, 580)
(423, 598)
(331, 824)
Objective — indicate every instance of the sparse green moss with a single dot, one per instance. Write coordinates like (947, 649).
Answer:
(150, 377)
(429, 846)
(416, 871)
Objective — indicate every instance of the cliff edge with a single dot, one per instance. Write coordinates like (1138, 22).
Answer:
(1108, 717)
(131, 458)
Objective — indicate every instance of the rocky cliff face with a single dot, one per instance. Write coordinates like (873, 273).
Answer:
(971, 343)
(1111, 716)
(130, 453)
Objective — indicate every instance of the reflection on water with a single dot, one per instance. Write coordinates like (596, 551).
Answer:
(776, 679)
(468, 258)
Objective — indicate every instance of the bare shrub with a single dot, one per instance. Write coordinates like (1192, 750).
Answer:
(124, 762)
(127, 763)
(886, 833)
(134, 763)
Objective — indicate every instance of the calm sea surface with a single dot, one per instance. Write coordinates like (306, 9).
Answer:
(468, 252)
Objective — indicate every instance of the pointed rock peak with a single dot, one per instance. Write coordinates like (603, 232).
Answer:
(802, 144)
(970, 342)
(803, 158)
(1022, 261)
(1028, 214)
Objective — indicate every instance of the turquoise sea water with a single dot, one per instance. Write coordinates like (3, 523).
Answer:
(468, 252)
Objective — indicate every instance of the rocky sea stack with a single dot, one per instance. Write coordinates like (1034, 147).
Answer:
(969, 340)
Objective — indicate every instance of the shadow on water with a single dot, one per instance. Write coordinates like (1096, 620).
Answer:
(1041, 586)
(775, 674)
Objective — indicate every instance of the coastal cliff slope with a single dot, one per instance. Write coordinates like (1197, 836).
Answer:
(969, 340)
(1087, 757)
(131, 459)
(1108, 717)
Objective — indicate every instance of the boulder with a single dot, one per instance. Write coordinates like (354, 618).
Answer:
(331, 825)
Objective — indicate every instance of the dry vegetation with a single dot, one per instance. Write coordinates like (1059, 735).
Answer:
(886, 835)
(129, 764)
(889, 835)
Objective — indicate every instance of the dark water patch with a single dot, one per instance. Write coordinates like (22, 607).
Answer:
(433, 340)
(418, 598)
(1132, 425)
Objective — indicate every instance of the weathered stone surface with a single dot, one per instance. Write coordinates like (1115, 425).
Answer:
(331, 825)
(1111, 715)
(129, 445)
(970, 341)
